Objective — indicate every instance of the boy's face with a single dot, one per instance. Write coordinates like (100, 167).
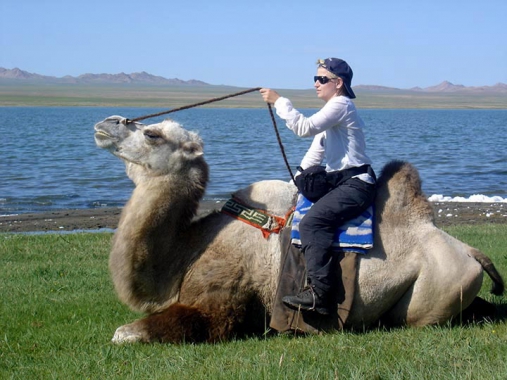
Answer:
(328, 90)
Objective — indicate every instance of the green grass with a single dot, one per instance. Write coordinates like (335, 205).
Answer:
(127, 95)
(59, 312)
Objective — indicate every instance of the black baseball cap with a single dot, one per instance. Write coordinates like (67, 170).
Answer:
(341, 69)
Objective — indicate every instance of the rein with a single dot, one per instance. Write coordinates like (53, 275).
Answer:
(216, 100)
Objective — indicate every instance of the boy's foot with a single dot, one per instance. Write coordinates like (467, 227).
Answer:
(309, 300)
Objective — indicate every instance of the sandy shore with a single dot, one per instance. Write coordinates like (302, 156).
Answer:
(71, 220)
(446, 213)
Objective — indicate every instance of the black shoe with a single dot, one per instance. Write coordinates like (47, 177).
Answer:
(307, 300)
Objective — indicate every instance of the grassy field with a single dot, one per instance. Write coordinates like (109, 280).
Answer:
(29, 94)
(59, 312)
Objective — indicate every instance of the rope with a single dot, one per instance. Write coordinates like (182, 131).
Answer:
(216, 100)
(194, 105)
(280, 143)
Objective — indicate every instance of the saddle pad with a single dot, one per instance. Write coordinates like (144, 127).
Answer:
(260, 219)
(355, 235)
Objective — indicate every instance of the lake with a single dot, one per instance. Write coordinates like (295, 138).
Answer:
(49, 159)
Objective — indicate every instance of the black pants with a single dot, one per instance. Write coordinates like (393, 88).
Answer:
(318, 227)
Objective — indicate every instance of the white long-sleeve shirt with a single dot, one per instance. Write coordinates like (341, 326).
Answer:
(337, 130)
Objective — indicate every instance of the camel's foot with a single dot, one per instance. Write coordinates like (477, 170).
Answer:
(131, 333)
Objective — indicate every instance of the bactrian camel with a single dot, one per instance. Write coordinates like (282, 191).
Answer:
(214, 277)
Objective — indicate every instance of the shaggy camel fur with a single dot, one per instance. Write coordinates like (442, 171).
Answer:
(213, 278)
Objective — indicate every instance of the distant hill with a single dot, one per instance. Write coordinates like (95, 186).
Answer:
(122, 78)
(17, 75)
(444, 87)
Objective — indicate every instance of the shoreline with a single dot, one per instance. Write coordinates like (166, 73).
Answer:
(117, 95)
(82, 220)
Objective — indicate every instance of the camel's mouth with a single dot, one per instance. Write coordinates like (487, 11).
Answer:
(101, 135)
(103, 139)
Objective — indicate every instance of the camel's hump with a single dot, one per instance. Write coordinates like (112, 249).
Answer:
(274, 196)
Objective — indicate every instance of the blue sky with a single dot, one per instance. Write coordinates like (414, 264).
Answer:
(260, 43)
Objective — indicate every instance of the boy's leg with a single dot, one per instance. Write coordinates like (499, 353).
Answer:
(317, 230)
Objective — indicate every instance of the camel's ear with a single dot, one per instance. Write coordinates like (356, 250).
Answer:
(191, 148)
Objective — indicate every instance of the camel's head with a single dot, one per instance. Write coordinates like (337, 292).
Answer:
(149, 150)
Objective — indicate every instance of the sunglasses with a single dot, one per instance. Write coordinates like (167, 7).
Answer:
(321, 79)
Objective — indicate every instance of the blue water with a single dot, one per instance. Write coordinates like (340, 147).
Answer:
(48, 158)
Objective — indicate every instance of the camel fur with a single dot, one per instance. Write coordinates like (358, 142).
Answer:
(213, 278)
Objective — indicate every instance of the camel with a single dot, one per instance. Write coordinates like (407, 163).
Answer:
(212, 278)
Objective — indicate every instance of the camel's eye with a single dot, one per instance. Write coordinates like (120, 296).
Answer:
(151, 136)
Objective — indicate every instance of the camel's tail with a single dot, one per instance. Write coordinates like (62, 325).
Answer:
(489, 267)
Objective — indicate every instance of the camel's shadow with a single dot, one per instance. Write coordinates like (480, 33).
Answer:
(480, 312)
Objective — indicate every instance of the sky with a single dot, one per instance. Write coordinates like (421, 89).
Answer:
(260, 43)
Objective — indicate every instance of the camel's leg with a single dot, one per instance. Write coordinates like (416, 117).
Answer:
(177, 324)
(181, 323)
(423, 303)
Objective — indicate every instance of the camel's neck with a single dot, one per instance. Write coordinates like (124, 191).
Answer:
(148, 259)
(160, 205)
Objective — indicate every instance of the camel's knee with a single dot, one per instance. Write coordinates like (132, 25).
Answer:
(177, 324)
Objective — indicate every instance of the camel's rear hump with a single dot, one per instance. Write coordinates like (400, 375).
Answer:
(399, 195)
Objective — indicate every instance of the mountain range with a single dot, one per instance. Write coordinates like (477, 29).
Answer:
(445, 86)
(122, 78)
(144, 78)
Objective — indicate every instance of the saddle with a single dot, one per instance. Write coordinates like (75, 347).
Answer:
(293, 269)
(292, 280)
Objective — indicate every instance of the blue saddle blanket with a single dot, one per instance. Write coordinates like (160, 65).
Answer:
(355, 235)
